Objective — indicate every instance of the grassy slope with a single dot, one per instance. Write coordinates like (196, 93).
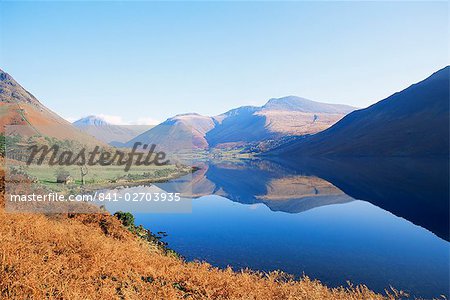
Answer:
(95, 257)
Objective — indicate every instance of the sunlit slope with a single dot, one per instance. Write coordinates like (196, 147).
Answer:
(181, 133)
(19, 107)
(247, 124)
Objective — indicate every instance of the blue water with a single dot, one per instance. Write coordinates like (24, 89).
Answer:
(353, 240)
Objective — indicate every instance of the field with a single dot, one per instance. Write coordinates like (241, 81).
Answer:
(99, 174)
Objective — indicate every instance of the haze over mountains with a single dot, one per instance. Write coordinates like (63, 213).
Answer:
(413, 122)
(109, 133)
(237, 127)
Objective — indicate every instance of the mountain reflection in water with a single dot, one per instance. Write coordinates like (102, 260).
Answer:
(414, 189)
(376, 222)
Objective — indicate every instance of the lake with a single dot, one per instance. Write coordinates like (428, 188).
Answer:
(376, 222)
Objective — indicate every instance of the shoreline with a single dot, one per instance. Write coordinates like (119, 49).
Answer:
(106, 260)
(126, 183)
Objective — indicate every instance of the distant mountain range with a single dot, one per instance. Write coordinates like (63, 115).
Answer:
(248, 124)
(278, 118)
(109, 133)
(19, 107)
(413, 122)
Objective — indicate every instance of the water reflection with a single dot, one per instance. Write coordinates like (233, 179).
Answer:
(334, 220)
(414, 189)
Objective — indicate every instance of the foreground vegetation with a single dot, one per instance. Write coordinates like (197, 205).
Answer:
(98, 256)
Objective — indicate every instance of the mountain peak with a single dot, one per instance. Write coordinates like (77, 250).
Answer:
(5, 76)
(294, 103)
(191, 114)
(12, 92)
(90, 121)
(413, 122)
(441, 74)
(249, 109)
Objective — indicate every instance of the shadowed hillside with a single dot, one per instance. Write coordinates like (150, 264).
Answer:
(413, 122)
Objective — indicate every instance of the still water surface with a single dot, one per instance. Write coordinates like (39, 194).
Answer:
(379, 223)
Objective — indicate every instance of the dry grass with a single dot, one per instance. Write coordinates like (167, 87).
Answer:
(94, 257)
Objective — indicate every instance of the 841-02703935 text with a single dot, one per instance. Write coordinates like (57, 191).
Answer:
(98, 197)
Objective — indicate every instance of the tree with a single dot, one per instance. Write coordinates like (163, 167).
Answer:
(126, 218)
(84, 171)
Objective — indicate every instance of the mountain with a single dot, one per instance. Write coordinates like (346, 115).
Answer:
(248, 124)
(413, 122)
(277, 118)
(90, 121)
(109, 133)
(293, 103)
(19, 107)
(238, 126)
(182, 132)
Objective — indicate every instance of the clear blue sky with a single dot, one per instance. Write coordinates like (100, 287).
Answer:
(156, 59)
